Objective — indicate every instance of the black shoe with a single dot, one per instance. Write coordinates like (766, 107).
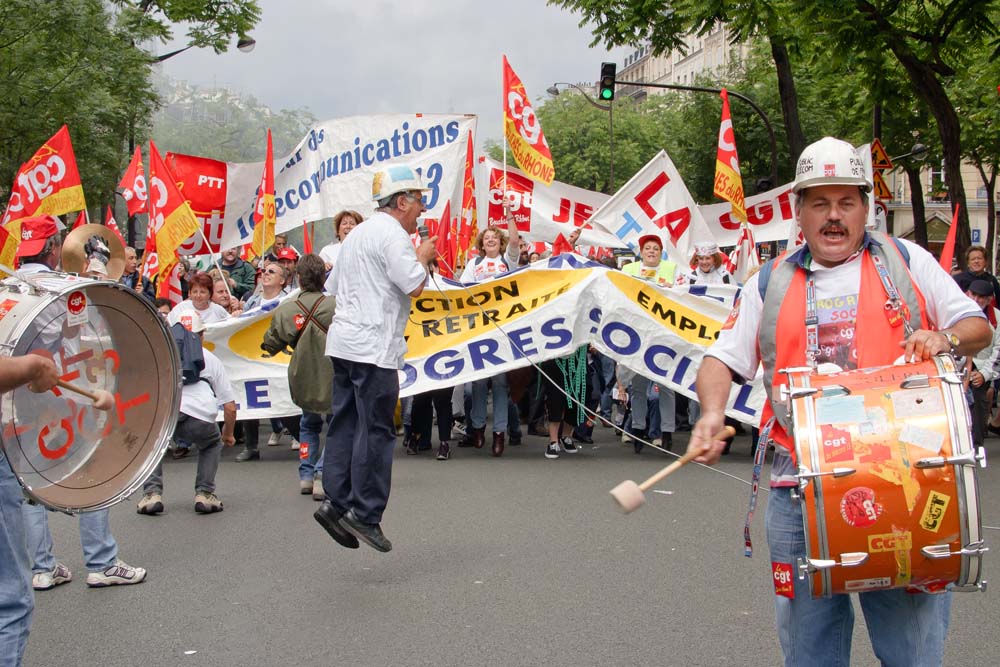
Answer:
(514, 439)
(329, 518)
(248, 455)
(995, 430)
(637, 438)
(667, 441)
(369, 533)
(180, 452)
(729, 444)
(582, 437)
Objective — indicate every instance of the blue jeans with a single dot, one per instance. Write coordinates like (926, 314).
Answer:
(906, 629)
(607, 370)
(479, 396)
(357, 466)
(310, 427)
(17, 599)
(641, 395)
(100, 550)
(206, 437)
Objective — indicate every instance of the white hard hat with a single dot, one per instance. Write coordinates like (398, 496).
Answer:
(188, 319)
(830, 161)
(397, 178)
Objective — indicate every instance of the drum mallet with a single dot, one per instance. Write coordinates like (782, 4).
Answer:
(103, 400)
(630, 496)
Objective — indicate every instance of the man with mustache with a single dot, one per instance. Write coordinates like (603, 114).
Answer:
(830, 295)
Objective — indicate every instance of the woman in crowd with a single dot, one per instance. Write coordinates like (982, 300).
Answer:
(975, 269)
(273, 281)
(497, 255)
(343, 223)
(200, 300)
(706, 266)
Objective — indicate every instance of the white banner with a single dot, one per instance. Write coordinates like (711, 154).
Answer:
(330, 170)
(541, 212)
(769, 214)
(656, 201)
(543, 311)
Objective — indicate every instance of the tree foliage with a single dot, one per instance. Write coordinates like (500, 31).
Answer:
(209, 24)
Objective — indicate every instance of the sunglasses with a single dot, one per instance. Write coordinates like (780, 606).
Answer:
(272, 272)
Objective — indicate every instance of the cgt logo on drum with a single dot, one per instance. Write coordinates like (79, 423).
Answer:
(898, 541)
(858, 507)
(76, 302)
(937, 505)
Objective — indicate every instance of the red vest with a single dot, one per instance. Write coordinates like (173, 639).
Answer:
(877, 340)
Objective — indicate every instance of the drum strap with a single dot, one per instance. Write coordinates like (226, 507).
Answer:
(763, 440)
(812, 324)
(895, 308)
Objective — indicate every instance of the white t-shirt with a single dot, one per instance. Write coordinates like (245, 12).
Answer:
(214, 312)
(837, 309)
(372, 283)
(329, 253)
(198, 400)
(482, 268)
(717, 276)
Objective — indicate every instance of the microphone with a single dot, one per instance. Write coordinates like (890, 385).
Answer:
(423, 231)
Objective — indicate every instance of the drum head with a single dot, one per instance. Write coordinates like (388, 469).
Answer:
(67, 454)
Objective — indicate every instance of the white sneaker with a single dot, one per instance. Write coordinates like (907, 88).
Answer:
(274, 440)
(43, 581)
(118, 573)
(295, 444)
(657, 442)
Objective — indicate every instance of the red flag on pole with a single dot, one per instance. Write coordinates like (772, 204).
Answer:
(307, 242)
(81, 219)
(133, 185)
(170, 216)
(523, 130)
(467, 228)
(265, 214)
(561, 245)
(948, 253)
(728, 181)
(109, 221)
(446, 257)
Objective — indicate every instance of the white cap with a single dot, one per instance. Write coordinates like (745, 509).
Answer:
(830, 161)
(397, 178)
(706, 248)
(188, 319)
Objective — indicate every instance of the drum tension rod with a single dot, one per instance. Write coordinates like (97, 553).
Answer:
(797, 392)
(971, 588)
(970, 458)
(805, 475)
(808, 566)
(936, 551)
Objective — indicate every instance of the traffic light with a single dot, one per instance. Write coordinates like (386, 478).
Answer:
(607, 85)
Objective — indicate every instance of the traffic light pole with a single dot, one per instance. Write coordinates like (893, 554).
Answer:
(753, 105)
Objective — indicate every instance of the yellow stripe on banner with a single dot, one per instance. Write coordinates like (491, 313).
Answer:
(446, 319)
(534, 164)
(64, 201)
(176, 230)
(729, 186)
(9, 251)
(692, 326)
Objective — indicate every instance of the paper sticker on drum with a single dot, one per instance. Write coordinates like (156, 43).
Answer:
(6, 307)
(784, 582)
(908, 403)
(937, 505)
(858, 507)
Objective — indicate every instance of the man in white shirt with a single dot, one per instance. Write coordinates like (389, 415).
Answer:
(200, 403)
(377, 273)
(848, 322)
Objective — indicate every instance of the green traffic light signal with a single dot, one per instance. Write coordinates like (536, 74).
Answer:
(607, 81)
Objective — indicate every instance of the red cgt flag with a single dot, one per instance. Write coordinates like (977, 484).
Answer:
(133, 185)
(170, 217)
(523, 130)
(467, 229)
(49, 183)
(265, 214)
(728, 181)
(307, 242)
(109, 221)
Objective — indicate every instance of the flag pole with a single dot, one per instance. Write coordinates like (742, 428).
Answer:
(215, 260)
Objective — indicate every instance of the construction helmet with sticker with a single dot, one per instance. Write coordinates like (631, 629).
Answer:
(397, 178)
(830, 161)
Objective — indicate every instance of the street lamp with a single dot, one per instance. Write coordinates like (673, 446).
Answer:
(554, 91)
(245, 44)
(918, 153)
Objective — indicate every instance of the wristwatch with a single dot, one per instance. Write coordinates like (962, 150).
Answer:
(953, 341)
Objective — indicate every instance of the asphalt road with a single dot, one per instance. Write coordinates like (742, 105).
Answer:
(511, 561)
